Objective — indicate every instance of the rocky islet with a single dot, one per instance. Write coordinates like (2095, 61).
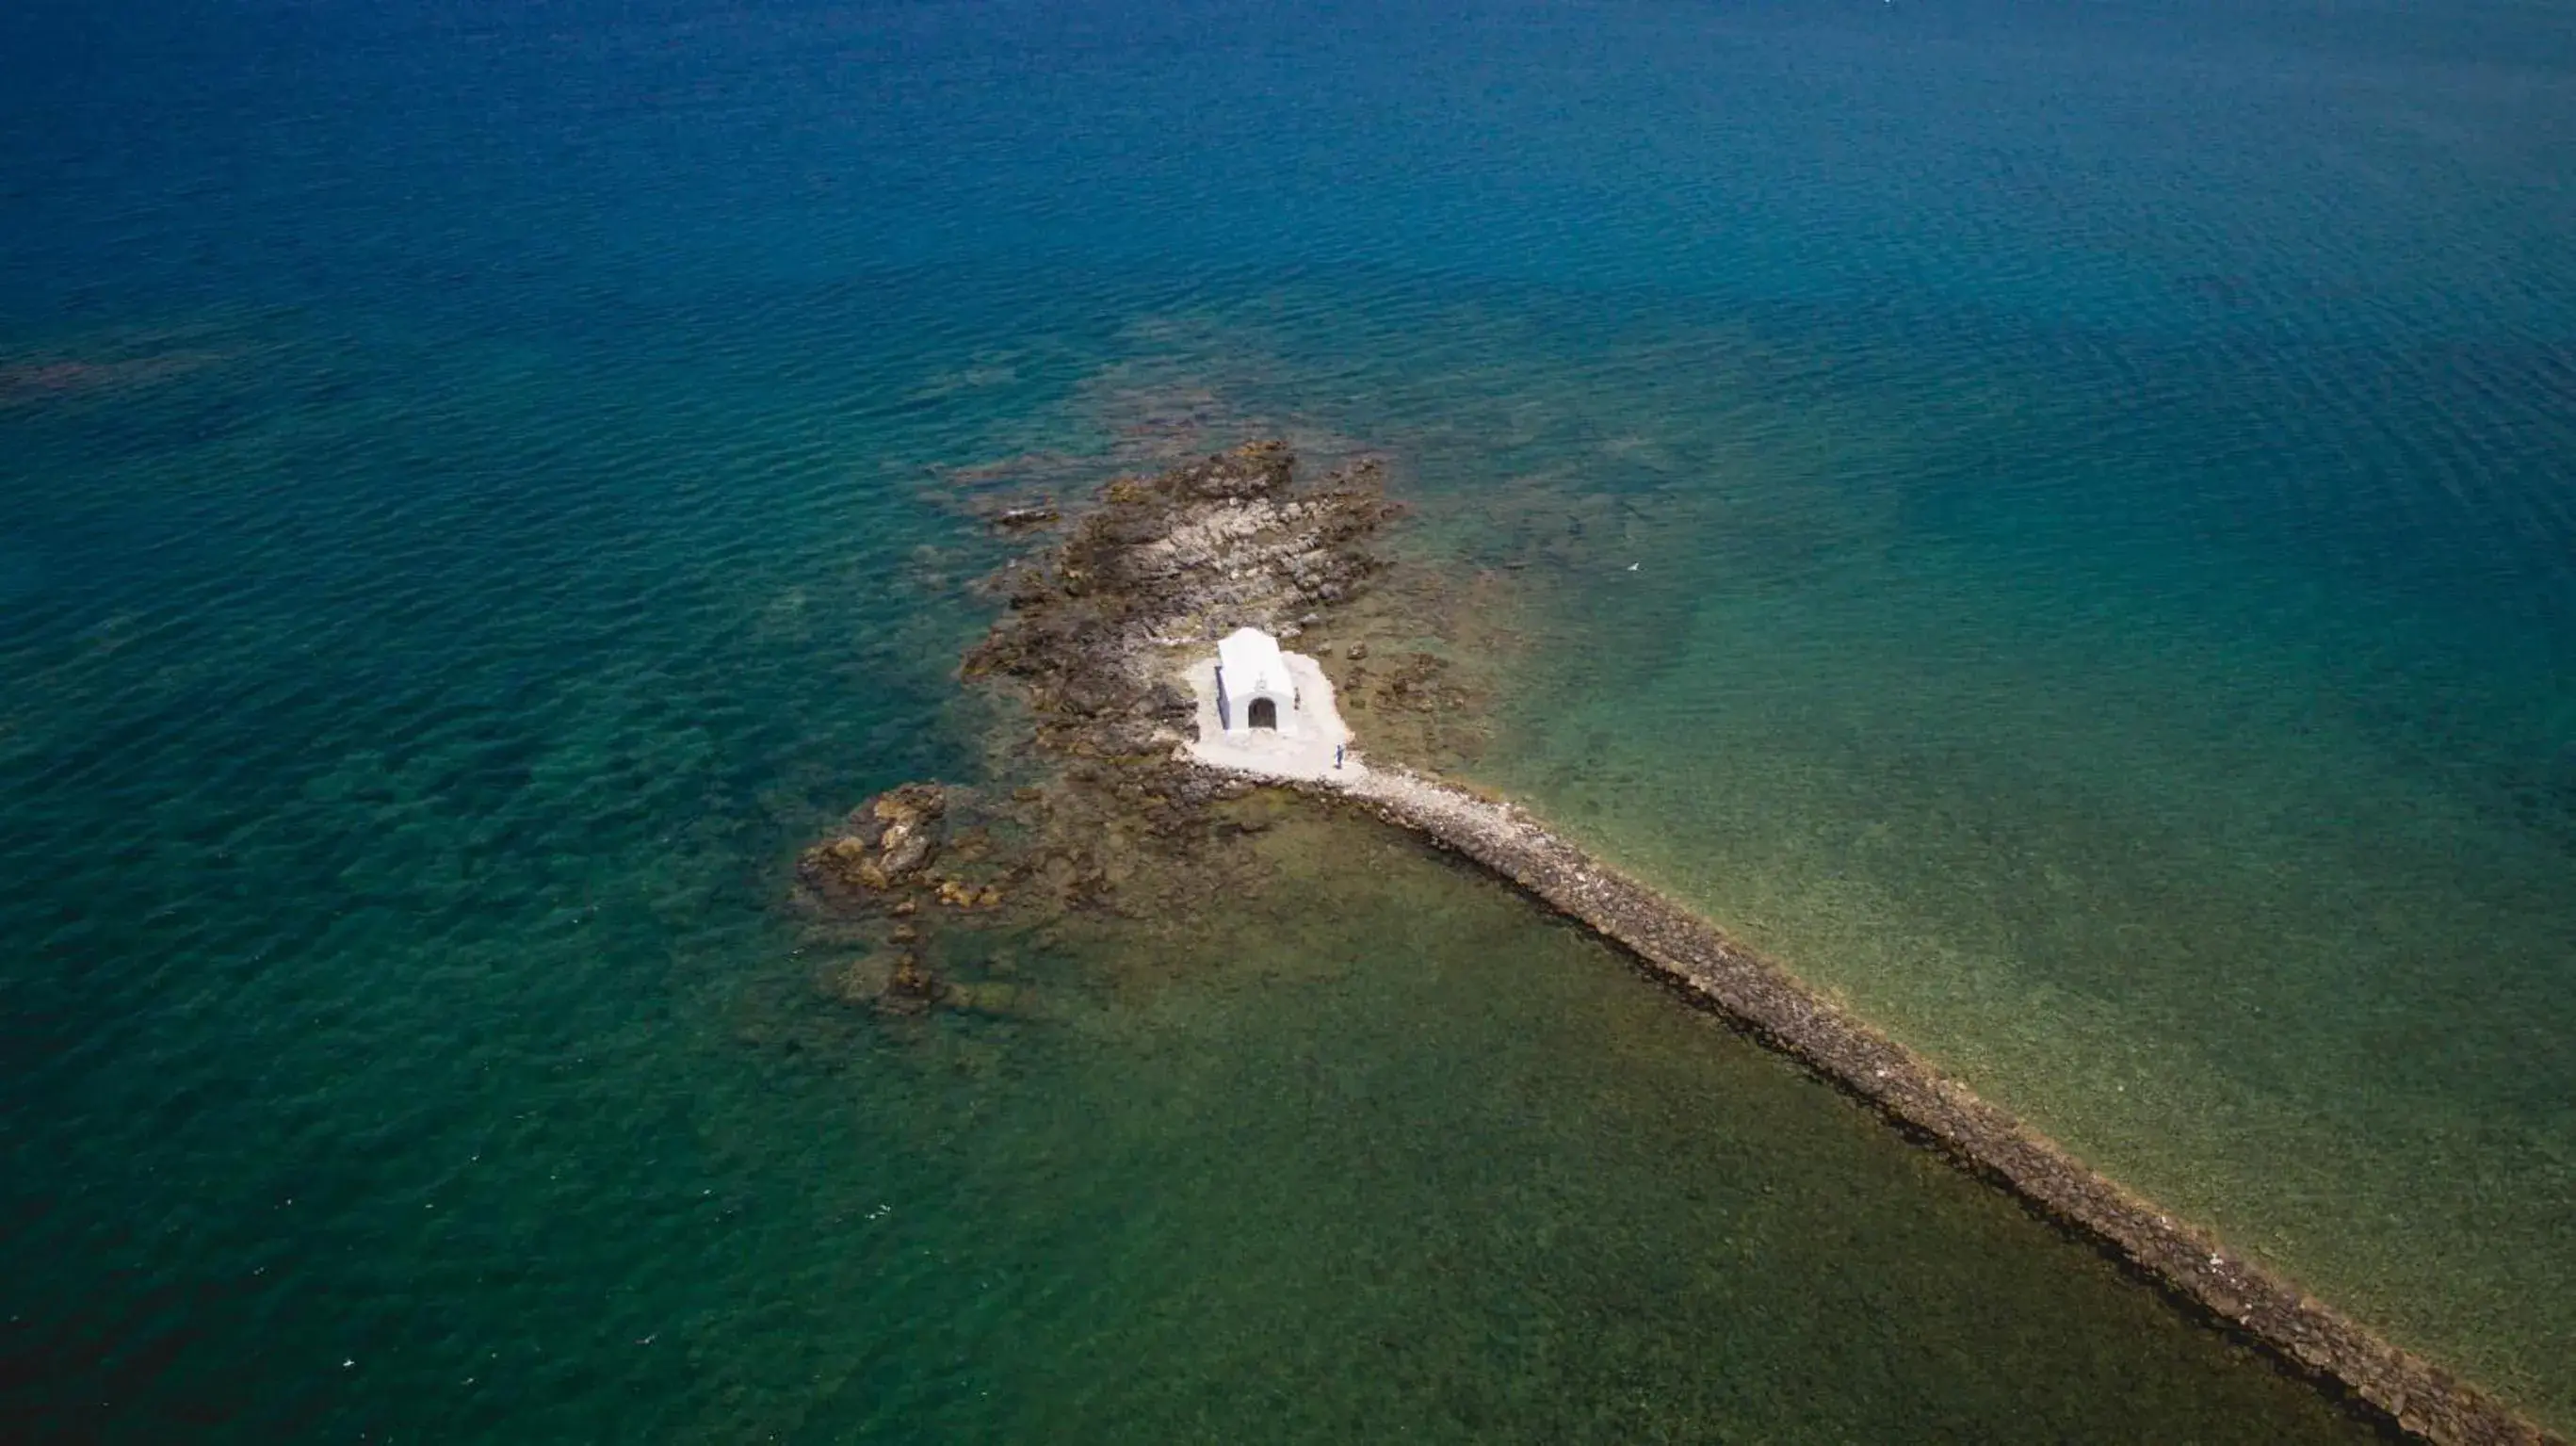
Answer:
(1101, 816)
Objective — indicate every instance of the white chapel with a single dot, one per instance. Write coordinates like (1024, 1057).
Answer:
(1254, 689)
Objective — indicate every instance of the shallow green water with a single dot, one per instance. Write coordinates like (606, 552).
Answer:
(1404, 1162)
(2246, 878)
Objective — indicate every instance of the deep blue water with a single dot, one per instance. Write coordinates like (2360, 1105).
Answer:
(2100, 480)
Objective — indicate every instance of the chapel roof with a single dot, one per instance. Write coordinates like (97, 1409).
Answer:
(1251, 663)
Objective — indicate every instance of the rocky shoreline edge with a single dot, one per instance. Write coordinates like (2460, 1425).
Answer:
(1785, 1014)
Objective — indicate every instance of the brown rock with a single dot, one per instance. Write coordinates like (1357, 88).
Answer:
(912, 989)
(904, 850)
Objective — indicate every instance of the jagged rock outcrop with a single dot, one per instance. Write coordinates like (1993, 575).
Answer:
(886, 844)
(1223, 542)
(1087, 641)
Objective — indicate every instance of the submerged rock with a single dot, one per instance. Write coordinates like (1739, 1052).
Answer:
(912, 989)
(889, 840)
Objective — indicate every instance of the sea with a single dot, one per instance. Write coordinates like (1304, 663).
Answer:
(2055, 521)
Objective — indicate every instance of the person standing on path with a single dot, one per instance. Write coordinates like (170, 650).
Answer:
(1337, 755)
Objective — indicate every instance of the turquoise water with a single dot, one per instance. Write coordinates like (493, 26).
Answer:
(2096, 486)
(412, 1041)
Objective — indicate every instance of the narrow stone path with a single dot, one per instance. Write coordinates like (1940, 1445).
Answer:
(1791, 1017)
